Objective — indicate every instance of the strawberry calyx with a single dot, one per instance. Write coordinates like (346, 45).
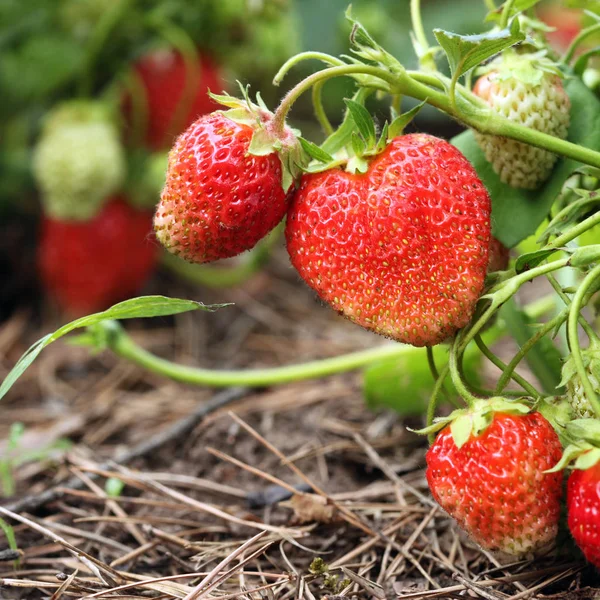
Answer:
(584, 450)
(474, 420)
(268, 136)
(529, 68)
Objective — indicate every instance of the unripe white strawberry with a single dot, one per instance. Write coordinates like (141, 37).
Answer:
(527, 89)
(78, 162)
(570, 378)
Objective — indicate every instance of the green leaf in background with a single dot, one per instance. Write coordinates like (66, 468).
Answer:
(40, 66)
(516, 214)
(467, 51)
(404, 383)
(517, 7)
(544, 359)
(145, 306)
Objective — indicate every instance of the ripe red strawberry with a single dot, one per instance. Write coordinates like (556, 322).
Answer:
(567, 23)
(227, 183)
(87, 266)
(164, 75)
(402, 249)
(494, 484)
(583, 505)
(527, 89)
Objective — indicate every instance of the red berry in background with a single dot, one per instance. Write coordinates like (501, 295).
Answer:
(164, 75)
(88, 266)
(401, 250)
(220, 197)
(494, 485)
(583, 506)
(499, 256)
(565, 21)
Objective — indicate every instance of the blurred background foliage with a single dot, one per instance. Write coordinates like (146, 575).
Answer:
(54, 51)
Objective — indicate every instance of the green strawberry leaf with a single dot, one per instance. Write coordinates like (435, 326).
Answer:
(516, 214)
(585, 429)
(363, 120)
(533, 259)
(315, 152)
(588, 459)
(465, 52)
(461, 429)
(145, 306)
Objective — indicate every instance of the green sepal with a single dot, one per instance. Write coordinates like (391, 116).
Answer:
(401, 121)
(364, 46)
(265, 139)
(315, 152)
(588, 459)
(587, 430)
(462, 429)
(473, 421)
(528, 68)
(585, 256)
(557, 411)
(570, 454)
(364, 122)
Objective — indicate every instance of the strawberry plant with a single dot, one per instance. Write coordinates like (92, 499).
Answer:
(407, 235)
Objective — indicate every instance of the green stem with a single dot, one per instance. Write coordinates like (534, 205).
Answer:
(434, 399)
(122, 345)
(468, 108)
(320, 114)
(559, 291)
(223, 277)
(507, 290)
(298, 58)
(503, 367)
(425, 59)
(455, 375)
(581, 37)
(506, 13)
(508, 371)
(575, 232)
(573, 336)
(490, 5)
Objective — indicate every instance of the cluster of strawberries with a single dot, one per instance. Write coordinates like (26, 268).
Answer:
(401, 248)
(98, 183)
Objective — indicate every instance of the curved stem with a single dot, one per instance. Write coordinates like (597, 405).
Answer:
(339, 71)
(573, 336)
(504, 367)
(507, 290)
(122, 345)
(575, 232)
(579, 39)
(320, 114)
(524, 349)
(455, 374)
(434, 399)
(298, 58)
(425, 59)
(468, 109)
(559, 291)
(506, 13)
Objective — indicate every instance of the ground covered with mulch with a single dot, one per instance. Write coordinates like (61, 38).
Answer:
(168, 491)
